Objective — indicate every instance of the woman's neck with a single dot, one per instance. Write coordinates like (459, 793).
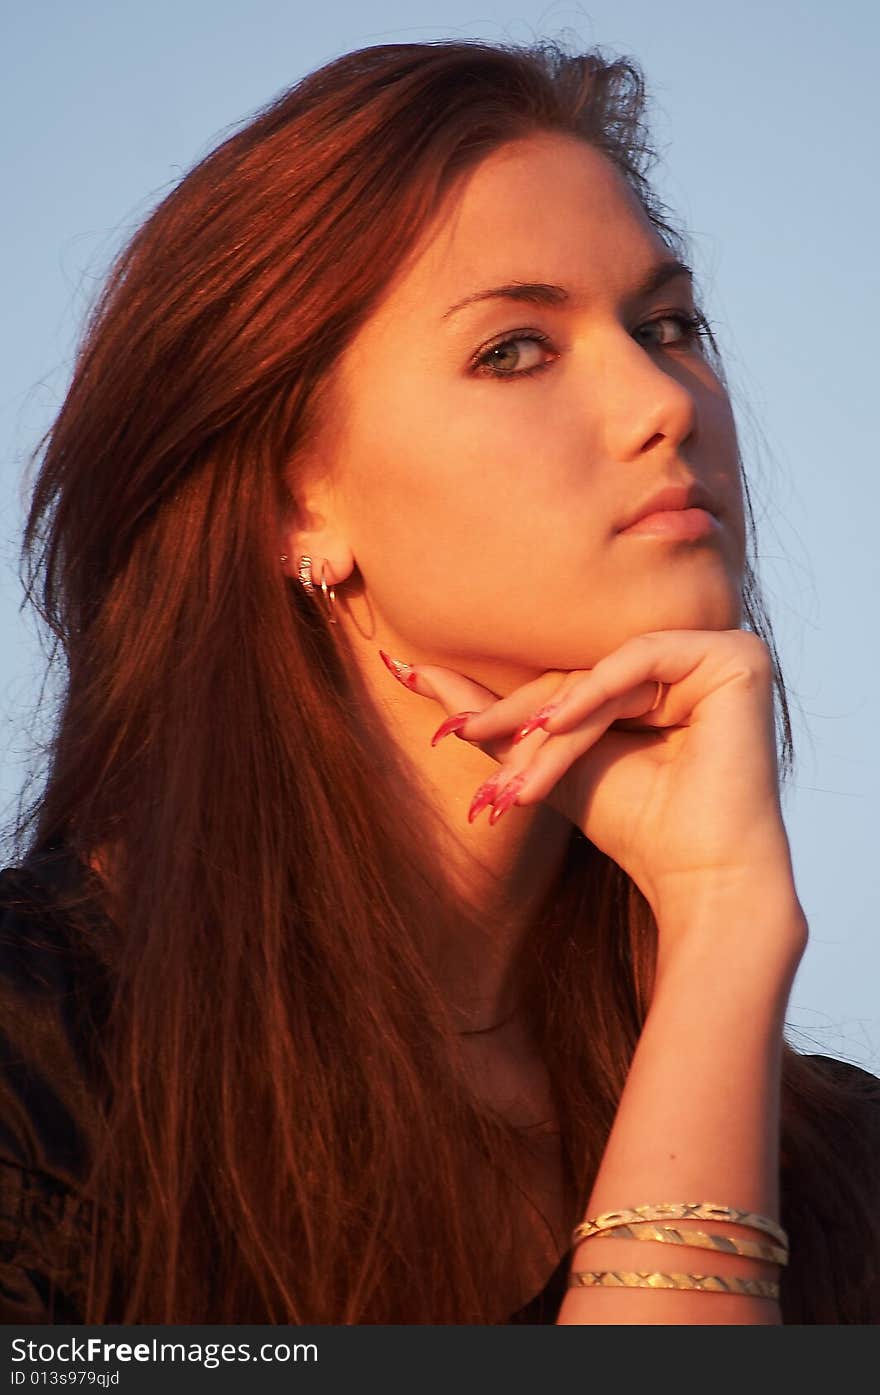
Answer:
(503, 873)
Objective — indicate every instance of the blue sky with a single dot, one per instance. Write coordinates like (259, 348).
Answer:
(766, 124)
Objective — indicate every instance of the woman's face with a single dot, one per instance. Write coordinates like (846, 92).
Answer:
(483, 504)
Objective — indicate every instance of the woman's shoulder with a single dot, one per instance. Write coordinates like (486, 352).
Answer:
(840, 1096)
(51, 1001)
(849, 1074)
(855, 1089)
(54, 997)
(841, 1100)
(830, 1166)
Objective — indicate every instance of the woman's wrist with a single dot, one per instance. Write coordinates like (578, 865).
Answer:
(747, 924)
(698, 1120)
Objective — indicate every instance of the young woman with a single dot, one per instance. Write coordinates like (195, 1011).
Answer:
(410, 374)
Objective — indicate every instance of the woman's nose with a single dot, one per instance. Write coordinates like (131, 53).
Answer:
(650, 400)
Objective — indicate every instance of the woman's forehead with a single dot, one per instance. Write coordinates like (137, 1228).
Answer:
(548, 209)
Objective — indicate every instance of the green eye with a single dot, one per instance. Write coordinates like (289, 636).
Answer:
(485, 365)
(692, 326)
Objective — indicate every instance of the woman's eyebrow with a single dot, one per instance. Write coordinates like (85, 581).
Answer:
(544, 293)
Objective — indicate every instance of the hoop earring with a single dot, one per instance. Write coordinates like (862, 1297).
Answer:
(329, 595)
(305, 573)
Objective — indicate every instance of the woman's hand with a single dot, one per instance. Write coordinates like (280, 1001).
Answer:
(682, 797)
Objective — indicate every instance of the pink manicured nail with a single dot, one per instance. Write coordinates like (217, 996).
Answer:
(484, 795)
(404, 673)
(507, 797)
(452, 724)
(536, 721)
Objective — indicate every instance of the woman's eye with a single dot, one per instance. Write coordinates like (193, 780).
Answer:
(690, 326)
(506, 360)
(523, 353)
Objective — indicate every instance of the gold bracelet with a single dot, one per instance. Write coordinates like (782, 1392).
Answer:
(672, 1211)
(704, 1283)
(756, 1249)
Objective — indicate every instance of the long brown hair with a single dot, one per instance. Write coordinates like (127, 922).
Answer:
(289, 1135)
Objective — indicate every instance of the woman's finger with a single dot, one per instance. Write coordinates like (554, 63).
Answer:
(623, 685)
(454, 691)
(533, 778)
(669, 657)
(504, 717)
(465, 701)
(530, 771)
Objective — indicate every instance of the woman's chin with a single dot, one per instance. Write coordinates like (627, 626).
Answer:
(715, 605)
(585, 647)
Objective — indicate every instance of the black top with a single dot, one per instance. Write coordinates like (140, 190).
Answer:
(53, 993)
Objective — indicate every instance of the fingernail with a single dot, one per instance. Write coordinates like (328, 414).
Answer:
(536, 721)
(452, 724)
(484, 795)
(507, 797)
(404, 673)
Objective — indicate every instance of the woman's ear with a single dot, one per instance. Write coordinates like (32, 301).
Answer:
(335, 556)
(311, 531)
(312, 523)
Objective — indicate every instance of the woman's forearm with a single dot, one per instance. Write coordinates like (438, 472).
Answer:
(698, 1119)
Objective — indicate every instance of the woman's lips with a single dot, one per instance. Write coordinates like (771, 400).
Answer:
(675, 524)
